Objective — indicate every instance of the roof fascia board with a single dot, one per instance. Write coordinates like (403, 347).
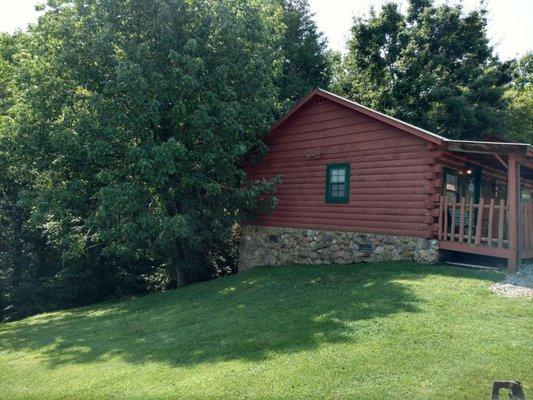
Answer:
(465, 146)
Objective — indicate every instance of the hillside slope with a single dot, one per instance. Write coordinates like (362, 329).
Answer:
(370, 331)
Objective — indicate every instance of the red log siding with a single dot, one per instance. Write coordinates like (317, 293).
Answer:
(392, 172)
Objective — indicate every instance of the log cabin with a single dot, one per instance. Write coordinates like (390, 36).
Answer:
(357, 185)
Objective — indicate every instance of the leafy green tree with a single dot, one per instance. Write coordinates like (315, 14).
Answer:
(520, 114)
(128, 125)
(12, 233)
(523, 72)
(305, 55)
(432, 67)
(520, 97)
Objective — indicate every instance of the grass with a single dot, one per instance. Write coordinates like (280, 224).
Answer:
(370, 331)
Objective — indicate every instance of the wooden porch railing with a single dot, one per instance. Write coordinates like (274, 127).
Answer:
(478, 224)
(527, 225)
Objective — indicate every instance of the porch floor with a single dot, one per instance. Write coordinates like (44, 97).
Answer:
(473, 249)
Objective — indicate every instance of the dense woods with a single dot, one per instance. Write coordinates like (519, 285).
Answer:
(124, 126)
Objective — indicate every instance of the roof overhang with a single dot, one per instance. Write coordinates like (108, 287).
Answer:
(471, 146)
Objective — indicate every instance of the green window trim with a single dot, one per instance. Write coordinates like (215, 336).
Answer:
(338, 183)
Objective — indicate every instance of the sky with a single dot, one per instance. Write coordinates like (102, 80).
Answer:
(510, 26)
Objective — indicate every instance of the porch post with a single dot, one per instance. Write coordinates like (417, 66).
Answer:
(513, 186)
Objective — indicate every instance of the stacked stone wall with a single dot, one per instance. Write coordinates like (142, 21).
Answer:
(276, 246)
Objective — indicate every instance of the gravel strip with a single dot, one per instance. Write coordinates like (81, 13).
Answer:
(519, 284)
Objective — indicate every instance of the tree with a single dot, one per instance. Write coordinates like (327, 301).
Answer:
(432, 67)
(523, 72)
(520, 96)
(305, 55)
(15, 239)
(129, 124)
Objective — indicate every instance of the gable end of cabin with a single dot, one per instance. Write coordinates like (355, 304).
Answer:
(354, 188)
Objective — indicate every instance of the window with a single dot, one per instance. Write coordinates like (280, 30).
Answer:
(337, 183)
(462, 183)
(451, 185)
(525, 195)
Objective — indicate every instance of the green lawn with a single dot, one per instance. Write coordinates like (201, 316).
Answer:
(370, 331)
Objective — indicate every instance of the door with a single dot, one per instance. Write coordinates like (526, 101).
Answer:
(462, 183)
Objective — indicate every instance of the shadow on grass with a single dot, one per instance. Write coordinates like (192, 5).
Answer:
(248, 316)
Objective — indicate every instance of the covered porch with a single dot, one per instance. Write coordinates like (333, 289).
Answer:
(485, 205)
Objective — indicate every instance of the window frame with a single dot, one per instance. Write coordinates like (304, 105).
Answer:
(346, 197)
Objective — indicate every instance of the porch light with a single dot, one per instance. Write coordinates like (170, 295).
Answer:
(469, 172)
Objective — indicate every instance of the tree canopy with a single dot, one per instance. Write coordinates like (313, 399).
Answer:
(305, 57)
(432, 66)
(124, 126)
(519, 122)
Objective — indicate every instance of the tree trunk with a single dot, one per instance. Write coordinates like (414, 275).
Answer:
(177, 258)
(177, 261)
(16, 250)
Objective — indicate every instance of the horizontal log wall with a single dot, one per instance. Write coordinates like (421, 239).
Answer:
(393, 179)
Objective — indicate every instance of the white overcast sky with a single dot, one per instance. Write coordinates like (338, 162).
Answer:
(510, 21)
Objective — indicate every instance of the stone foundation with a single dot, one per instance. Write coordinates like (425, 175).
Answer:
(261, 245)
